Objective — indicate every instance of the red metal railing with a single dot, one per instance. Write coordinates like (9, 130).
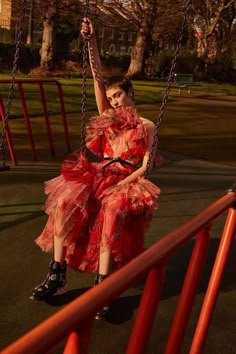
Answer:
(76, 319)
(8, 134)
(23, 100)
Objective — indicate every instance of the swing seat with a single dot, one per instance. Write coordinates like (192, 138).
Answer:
(4, 168)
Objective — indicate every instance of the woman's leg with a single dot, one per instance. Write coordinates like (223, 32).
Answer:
(105, 260)
(59, 250)
(105, 264)
(111, 223)
(55, 282)
(104, 270)
(110, 217)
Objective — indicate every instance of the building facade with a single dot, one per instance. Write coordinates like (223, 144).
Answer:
(5, 13)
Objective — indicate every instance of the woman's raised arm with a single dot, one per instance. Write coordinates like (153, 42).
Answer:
(87, 31)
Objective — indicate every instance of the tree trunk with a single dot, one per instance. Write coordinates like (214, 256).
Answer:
(215, 51)
(48, 41)
(137, 55)
(143, 35)
(201, 47)
(29, 39)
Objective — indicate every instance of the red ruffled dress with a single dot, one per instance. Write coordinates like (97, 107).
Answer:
(84, 205)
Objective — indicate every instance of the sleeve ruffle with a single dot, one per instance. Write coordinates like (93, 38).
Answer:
(75, 166)
(95, 132)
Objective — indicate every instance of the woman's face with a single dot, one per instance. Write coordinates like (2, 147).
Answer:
(118, 97)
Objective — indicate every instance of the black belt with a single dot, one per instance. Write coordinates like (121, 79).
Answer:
(116, 159)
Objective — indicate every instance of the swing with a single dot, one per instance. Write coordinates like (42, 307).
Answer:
(82, 147)
(89, 213)
(3, 166)
(164, 99)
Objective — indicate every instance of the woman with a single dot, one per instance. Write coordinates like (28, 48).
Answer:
(98, 211)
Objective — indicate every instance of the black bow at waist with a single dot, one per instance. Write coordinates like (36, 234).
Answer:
(116, 159)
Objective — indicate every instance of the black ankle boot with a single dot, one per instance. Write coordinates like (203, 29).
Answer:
(54, 284)
(105, 312)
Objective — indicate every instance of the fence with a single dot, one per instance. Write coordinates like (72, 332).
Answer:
(23, 100)
(76, 319)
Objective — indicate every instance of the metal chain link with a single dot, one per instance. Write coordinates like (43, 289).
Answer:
(168, 87)
(11, 88)
(84, 86)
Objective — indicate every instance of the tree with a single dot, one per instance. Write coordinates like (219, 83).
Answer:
(154, 21)
(207, 39)
(212, 24)
(166, 30)
(140, 17)
(60, 21)
(168, 20)
(30, 23)
(144, 11)
(49, 32)
(46, 13)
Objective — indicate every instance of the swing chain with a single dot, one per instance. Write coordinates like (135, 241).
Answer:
(11, 88)
(84, 86)
(152, 154)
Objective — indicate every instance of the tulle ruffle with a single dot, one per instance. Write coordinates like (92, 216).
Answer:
(102, 129)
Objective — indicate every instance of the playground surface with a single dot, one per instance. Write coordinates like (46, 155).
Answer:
(188, 185)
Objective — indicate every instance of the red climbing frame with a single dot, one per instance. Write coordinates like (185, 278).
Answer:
(20, 86)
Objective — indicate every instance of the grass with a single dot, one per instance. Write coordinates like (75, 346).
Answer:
(192, 124)
(146, 92)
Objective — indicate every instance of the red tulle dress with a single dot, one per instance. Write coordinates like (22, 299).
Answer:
(84, 205)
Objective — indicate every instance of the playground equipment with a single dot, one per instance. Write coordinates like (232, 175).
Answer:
(5, 115)
(41, 83)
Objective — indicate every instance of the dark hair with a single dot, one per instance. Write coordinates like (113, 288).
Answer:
(122, 82)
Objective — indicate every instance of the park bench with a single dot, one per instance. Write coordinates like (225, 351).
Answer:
(184, 80)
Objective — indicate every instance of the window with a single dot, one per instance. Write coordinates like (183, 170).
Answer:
(123, 50)
(130, 36)
(101, 33)
(112, 49)
(121, 37)
(111, 34)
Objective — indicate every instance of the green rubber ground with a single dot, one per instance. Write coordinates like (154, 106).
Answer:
(199, 168)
